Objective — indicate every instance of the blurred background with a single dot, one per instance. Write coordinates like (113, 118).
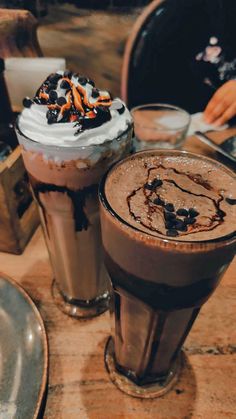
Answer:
(89, 34)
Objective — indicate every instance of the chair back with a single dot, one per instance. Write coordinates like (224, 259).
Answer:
(134, 45)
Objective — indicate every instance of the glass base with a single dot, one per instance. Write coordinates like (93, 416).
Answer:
(148, 391)
(80, 310)
(140, 145)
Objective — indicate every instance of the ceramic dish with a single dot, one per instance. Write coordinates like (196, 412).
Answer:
(23, 354)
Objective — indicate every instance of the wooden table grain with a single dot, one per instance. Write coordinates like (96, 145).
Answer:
(79, 387)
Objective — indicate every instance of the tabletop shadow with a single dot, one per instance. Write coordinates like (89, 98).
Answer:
(101, 399)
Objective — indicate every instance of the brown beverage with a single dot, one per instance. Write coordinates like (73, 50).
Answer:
(168, 229)
(70, 133)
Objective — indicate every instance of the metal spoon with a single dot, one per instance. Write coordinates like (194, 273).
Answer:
(203, 137)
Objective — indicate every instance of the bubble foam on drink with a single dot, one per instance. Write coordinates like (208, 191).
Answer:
(176, 197)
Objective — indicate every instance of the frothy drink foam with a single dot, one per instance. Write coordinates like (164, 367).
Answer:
(174, 196)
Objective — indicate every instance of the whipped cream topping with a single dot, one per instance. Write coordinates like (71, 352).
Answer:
(68, 110)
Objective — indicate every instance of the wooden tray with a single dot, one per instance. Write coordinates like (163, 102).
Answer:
(19, 215)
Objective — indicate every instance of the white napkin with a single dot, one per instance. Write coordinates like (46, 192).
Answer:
(198, 124)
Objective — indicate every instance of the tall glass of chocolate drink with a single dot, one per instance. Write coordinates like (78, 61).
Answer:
(168, 230)
(70, 133)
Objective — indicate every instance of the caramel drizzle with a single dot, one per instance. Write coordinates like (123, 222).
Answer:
(78, 97)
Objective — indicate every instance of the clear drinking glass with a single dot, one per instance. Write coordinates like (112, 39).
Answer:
(159, 287)
(159, 125)
(25, 74)
(65, 185)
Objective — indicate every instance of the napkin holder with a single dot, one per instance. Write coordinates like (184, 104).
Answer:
(18, 212)
(19, 215)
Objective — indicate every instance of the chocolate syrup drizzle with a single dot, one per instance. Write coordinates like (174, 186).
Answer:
(78, 199)
(194, 227)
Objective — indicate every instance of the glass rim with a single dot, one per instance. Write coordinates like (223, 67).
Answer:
(165, 106)
(159, 238)
(70, 147)
(42, 62)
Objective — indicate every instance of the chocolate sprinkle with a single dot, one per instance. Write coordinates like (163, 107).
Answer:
(158, 201)
(27, 102)
(51, 86)
(95, 93)
(91, 82)
(172, 233)
(148, 186)
(153, 185)
(170, 207)
(83, 80)
(54, 77)
(169, 216)
(190, 220)
(169, 225)
(52, 116)
(221, 213)
(68, 74)
(65, 84)
(53, 95)
(193, 213)
(103, 115)
(38, 101)
(121, 110)
(182, 212)
(231, 201)
(156, 183)
(61, 101)
(180, 225)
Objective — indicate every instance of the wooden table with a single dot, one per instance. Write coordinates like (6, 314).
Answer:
(79, 387)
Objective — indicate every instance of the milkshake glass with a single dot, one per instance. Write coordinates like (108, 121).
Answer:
(65, 152)
(168, 230)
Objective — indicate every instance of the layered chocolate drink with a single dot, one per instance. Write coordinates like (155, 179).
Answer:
(70, 133)
(168, 229)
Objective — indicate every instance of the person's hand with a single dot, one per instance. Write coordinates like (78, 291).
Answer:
(222, 105)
